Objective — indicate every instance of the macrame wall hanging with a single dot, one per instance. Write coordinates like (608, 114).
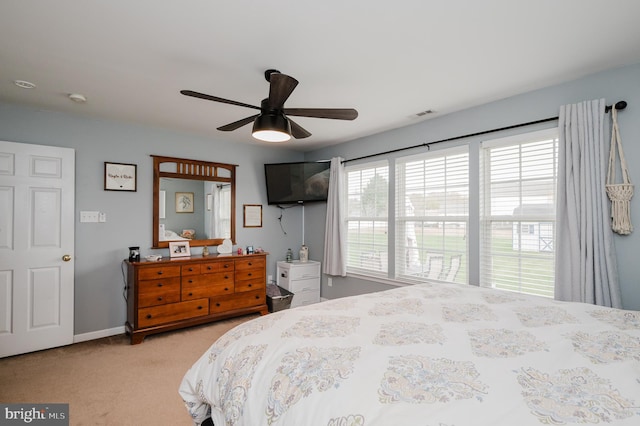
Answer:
(619, 193)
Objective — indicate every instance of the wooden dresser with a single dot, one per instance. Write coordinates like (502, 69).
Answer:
(171, 294)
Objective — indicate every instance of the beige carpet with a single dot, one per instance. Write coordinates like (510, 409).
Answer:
(110, 382)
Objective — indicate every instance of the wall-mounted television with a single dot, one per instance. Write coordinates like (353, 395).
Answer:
(293, 183)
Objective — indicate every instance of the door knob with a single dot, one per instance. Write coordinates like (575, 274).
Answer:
(66, 258)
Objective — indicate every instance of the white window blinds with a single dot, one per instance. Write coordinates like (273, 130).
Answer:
(432, 210)
(517, 212)
(367, 213)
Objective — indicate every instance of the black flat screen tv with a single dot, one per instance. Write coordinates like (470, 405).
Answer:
(297, 183)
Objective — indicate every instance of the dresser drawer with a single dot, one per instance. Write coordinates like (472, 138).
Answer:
(158, 291)
(250, 274)
(163, 314)
(222, 277)
(237, 301)
(194, 280)
(250, 263)
(210, 267)
(219, 266)
(248, 285)
(206, 289)
(158, 271)
(191, 269)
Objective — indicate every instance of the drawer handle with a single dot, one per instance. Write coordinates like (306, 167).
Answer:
(226, 277)
(159, 284)
(250, 264)
(257, 297)
(190, 281)
(226, 289)
(250, 285)
(209, 268)
(159, 272)
(217, 304)
(190, 294)
(148, 316)
(199, 307)
(250, 274)
(190, 269)
(160, 298)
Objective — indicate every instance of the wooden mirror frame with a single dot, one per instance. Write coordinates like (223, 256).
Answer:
(194, 170)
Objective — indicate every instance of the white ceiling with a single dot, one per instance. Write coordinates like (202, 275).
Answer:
(388, 60)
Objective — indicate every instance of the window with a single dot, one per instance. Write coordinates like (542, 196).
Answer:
(517, 204)
(367, 212)
(432, 211)
(481, 213)
(224, 211)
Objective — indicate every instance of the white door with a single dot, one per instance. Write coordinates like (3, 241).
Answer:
(36, 247)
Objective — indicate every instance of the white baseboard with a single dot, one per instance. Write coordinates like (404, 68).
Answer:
(98, 334)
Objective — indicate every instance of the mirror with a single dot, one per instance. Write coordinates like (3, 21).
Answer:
(193, 201)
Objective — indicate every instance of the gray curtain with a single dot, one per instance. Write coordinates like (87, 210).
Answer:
(335, 237)
(586, 269)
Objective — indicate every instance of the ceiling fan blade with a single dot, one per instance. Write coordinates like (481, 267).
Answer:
(215, 99)
(297, 131)
(281, 87)
(237, 124)
(333, 113)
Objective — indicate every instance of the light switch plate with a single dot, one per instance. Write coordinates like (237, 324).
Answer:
(89, 216)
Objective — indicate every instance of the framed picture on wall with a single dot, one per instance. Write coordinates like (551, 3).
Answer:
(179, 248)
(120, 177)
(184, 202)
(253, 215)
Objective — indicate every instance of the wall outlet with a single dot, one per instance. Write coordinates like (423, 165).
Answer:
(269, 279)
(330, 282)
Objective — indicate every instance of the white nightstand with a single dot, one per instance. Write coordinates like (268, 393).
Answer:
(302, 279)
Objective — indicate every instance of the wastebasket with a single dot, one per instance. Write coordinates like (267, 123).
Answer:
(278, 298)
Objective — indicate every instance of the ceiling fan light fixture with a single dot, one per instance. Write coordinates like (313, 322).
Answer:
(271, 127)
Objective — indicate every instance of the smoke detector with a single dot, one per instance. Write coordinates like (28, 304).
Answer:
(78, 98)
(24, 84)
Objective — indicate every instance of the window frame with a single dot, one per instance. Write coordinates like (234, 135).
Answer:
(376, 258)
(492, 259)
(432, 263)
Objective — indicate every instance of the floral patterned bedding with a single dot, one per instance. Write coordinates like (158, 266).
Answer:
(427, 354)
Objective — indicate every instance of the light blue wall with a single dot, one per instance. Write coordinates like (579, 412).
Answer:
(614, 85)
(101, 247)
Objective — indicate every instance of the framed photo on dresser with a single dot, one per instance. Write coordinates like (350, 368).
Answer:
(179, 248)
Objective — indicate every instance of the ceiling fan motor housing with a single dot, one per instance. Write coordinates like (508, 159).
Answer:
(271, 127)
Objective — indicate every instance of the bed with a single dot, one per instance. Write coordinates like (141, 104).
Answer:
(425, 354)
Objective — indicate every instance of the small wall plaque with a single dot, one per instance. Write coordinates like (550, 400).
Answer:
(120, 177)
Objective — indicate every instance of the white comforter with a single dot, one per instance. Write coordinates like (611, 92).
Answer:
(428, 354)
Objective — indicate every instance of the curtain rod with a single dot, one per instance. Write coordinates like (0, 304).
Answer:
(618, 106)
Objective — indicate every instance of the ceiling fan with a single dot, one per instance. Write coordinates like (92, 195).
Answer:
(272, 123)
